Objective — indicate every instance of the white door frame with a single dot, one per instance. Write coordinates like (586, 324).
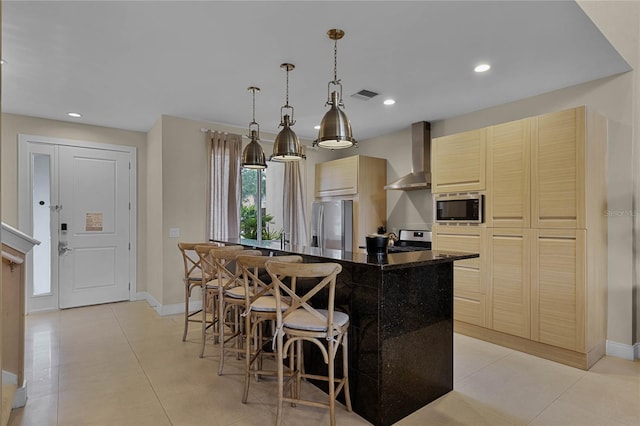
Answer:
(25, 212)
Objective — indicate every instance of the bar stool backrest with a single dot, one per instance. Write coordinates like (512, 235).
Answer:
(251, 267)
(326, 272)
(209, 270)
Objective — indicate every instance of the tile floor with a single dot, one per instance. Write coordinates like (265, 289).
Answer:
(123, 364)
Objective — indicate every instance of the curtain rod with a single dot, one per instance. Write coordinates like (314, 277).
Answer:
(203, 130)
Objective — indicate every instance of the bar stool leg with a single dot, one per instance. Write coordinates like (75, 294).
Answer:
(222, 314)
(186, 311)
(204, 319)
(280, 379)
(345, 369)
(332, 384)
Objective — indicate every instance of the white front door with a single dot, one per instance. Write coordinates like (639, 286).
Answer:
(94, 226)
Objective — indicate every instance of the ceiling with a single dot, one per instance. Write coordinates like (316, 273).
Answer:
(124, 64)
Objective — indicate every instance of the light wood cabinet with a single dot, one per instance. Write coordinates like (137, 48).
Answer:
(558, 168)
(338, 177)
(509, 279)
(361, 179)
(458, 162)
(470, 292)
(508, 201)
(545, 289)
(558, 290)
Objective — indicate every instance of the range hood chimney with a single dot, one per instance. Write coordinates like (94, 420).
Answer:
(420, 176)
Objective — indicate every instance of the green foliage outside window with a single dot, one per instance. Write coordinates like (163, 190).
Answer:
(249, 222)
(248, 217)
(250, 184)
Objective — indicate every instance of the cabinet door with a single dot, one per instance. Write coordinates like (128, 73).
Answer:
(508, 174)
(470, 307)
(558, 288)
(558, 181)
(458, 162)
(370, 205)
(469, 283)
(509, 276)
(337, 177)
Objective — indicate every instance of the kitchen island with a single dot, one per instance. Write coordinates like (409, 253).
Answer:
(401, 330)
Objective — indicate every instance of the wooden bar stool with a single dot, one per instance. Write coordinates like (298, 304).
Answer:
(210, 289)
(192, 279)
(325, 329)
(231, 300)
(260, 311)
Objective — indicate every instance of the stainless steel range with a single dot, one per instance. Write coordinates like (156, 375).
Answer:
(411, 240)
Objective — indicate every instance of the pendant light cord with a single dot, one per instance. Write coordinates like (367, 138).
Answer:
(254, 106)
(335, 60)
(253, 90)
(286, 103)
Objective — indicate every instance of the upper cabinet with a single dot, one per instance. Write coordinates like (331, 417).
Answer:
(558, 166)
(337, 177)
(458, 162)
(361, 179)
(508, 174)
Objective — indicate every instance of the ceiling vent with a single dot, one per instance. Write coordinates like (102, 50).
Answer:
(365, 95)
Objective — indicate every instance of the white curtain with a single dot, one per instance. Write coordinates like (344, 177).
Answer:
(224, 185)
(295, 211)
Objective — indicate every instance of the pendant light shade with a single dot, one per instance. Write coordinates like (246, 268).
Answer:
(253, 155)
(286, 146)
(335, 127)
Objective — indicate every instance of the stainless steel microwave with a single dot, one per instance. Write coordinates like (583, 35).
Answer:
(460, 208)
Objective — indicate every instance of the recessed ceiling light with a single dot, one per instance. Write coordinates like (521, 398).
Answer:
(74, 114)
(482, 68)
(317, 127)
(389, 102)
(3, 62)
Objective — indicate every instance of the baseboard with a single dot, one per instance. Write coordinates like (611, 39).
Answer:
(20, 398)
(553, 353)
(621, 350)
(173, 309)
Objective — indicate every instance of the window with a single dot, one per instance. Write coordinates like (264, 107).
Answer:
(263, 190)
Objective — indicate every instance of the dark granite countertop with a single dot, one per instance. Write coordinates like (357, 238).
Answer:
(390, 261)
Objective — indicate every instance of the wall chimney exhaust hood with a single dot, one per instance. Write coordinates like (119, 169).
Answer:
(420, 176)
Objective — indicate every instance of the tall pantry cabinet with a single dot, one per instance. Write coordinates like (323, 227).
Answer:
(545, 265)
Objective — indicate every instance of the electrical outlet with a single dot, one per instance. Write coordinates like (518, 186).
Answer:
(174, 232)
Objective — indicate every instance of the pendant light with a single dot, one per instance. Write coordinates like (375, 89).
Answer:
(335, 128)
(253, 156)
(287, 147)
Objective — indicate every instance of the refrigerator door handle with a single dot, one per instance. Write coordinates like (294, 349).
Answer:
(321, 235)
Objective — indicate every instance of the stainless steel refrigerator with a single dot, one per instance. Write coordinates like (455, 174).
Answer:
(332, 225)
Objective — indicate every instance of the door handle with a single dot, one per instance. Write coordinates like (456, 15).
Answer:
(63, 248)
